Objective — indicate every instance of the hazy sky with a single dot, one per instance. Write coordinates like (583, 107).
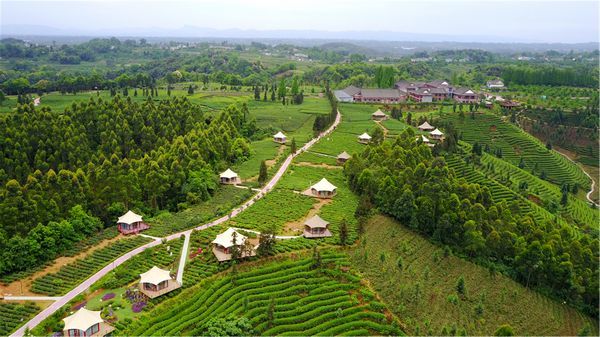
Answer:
(543, 21)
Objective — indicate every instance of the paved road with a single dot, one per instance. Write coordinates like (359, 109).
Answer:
(87, 283)
(589, 194)
(183, 258)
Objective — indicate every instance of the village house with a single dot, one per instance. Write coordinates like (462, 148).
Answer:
(342, 158)
(465, 95)
(436, 134)
(156, 282)
(426, 127)
(279, 137)
(223, 245)
(316, 227)
(495, 84)
(379, 115)
(364, 138)
(86, 323)
(131, 223)
(426, 91)
(354, 94)
(229, 177)
(323, 189)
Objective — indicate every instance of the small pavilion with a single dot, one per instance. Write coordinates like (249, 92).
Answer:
(323, 189)
(131, 223)
(379, 115)
(279, 137)
(364, 138)
(426, 127)
(342, 158)
(229, 177)
(223, 244)
(86, 323)
(316, 227)
(156, 282)
(436, 134)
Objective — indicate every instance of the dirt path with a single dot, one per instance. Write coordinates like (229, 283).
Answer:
(297, 227)
(593, 192)
(15, 287)
(385, 130)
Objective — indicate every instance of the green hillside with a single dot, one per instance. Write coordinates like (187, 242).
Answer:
(286, 298)
(422, 293)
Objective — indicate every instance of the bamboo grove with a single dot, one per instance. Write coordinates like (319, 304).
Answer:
(102, 158)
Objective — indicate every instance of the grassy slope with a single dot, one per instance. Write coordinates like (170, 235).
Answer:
(425, 267)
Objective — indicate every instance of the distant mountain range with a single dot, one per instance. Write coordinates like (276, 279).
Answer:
(202, 32)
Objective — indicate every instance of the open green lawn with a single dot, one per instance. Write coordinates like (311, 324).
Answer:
(423, 292)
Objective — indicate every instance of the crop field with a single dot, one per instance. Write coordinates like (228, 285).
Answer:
(265, 149)
(317, 158)
(165, 256)
(489, 129)
(423, 292)
(13, 315)
(577, 210)
(303, 300)
(226, 198)
(70, 275)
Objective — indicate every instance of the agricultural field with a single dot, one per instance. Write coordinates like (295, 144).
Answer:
(287, 297)
(489, 129)
(12, 315)
(72, 274)
(422, 292)
(226, 198)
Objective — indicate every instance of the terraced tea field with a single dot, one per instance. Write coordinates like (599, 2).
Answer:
(306, 301)
(489, 129)
(423, 292)
(72, 274)
(12, 315)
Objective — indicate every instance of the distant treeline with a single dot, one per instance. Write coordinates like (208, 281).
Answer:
(550, 75)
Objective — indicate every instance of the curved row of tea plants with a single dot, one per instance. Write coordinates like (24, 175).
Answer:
(12, 315)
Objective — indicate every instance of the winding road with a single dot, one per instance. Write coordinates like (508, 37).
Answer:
(592, 187)
(60, 302)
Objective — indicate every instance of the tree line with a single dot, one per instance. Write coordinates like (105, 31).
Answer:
(107, 157)
(405, 180)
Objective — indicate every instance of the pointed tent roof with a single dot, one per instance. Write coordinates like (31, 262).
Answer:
(225, 239)
(316, 222)
(379, 113)
(83, 319)
(324, 185)
(425, 126)
(279, 135)
(436, 132)
(155, 276)
(424, 139)
(129, 218)
(364, 136)
(229, 174)
(344, 155)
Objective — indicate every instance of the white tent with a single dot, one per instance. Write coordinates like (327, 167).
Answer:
(424, 139)
(378, 113)
(364, 136)
(83, 319)
(344, 156)
(155, 276)
(129, 218)
(425, 126)
(436, 132)
(324, 185)
(316, 222)
(279, 135)
(225, 239)
(228, 174)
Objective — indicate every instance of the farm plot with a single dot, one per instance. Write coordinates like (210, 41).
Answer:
(304, 300)
(72, 274)
(164, 256)
(489, 129)
(226, 198)
(13, 315)
(422, 292)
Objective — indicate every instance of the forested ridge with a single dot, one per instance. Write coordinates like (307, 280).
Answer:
(105, 157)
(404, 179)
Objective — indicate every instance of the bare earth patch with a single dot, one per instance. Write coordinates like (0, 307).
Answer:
(297, 227)
(15, 287)
(322, 165)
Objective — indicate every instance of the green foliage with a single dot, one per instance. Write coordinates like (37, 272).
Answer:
(13, 315)
(228, 326)
(504, 330)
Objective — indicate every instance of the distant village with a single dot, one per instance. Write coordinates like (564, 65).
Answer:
(425, 92)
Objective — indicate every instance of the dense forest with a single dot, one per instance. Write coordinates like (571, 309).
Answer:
(550, 75)
(104, 157)
(405, 180)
